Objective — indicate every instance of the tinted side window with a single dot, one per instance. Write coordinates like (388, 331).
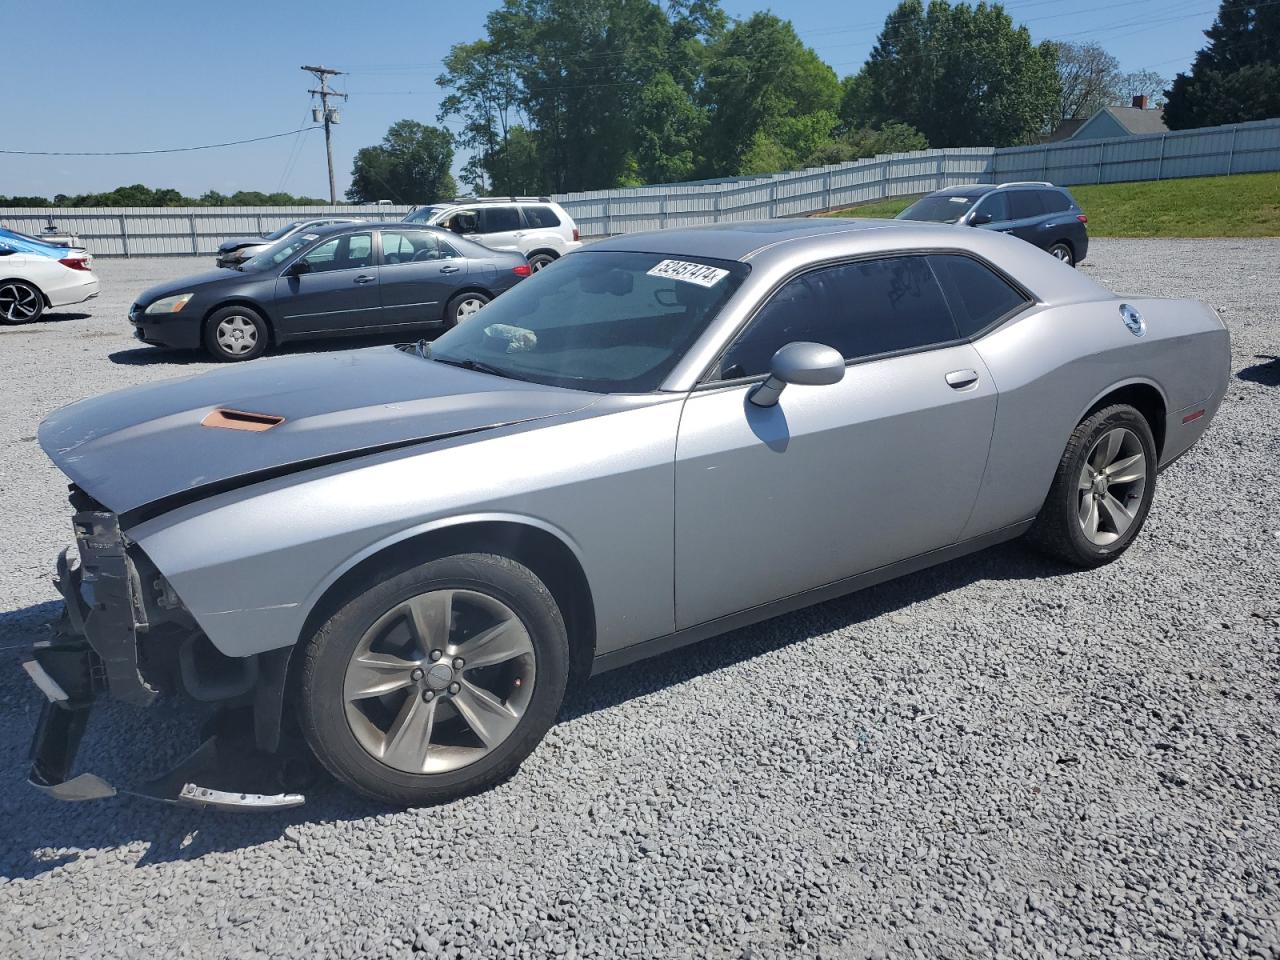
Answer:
(862, 309)
(996, 204)
(978, 296)
(541, 217)
(1054, 202)
(1025, 203)
(499, 219)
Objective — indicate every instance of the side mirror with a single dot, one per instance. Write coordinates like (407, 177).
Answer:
(298, 268)
(809, 364)
(978, 219)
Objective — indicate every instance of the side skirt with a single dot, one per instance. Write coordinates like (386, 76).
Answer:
(765, 611)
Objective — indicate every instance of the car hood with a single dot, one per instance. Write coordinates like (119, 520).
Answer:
(154, 447)
(229, 245)
(185, 285)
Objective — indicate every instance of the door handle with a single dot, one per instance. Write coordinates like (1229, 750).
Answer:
(959, 379)
(450, 269)
(365, 278)
(518, 235)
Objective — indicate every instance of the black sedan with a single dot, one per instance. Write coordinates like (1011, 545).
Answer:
(341, 280)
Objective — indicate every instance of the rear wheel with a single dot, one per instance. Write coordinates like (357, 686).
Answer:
(1102, 490)
(1062, 251)
(463, 307)
(20, 302)
(235, 333)
(437, 681)
(539, 260)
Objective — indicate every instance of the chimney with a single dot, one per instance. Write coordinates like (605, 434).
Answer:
(1140, 103)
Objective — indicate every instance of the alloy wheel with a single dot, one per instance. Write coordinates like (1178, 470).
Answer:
(19, 302)
(439, 681)
(1110, 486)
(1062, 253)
(469, 307)
(236, 335)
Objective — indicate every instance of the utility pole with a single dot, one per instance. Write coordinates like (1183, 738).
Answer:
(330, 117)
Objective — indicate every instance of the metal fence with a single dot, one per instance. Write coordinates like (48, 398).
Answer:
(1235, 148)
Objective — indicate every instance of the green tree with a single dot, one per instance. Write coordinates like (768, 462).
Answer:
(960, 75)
(1089, 79)
(771, 100)
(484, 90)
(868, 142)
(1236, 77)
(411, 165)
(516, 169)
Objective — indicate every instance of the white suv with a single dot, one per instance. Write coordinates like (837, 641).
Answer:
(534, 226)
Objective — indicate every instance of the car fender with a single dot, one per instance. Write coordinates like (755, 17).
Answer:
(434, 526)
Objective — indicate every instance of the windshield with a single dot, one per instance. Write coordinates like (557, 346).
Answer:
(939, 209)
(423, 214)
(278, 252)
(605, 321)
(286, 229)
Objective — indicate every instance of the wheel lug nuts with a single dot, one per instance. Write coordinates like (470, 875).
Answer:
(455, 687)
(437, 654)
(458, 663)
(428, 696)
(417, 674)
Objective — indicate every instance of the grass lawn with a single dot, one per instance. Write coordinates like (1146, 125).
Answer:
(1247, 205)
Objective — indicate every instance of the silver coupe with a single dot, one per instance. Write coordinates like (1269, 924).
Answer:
(399, 558)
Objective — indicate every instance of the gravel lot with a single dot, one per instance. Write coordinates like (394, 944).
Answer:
(996, 757)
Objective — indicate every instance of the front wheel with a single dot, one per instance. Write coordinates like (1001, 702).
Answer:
(436, 681)
(1102, 490)
(235, 333)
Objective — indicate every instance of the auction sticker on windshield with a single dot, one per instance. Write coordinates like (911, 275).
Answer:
(699, 273)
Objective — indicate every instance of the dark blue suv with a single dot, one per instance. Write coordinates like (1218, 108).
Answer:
(1038, 212)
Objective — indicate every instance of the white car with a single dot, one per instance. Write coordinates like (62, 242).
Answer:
(232, 253)
(535, 226)
(32, 282)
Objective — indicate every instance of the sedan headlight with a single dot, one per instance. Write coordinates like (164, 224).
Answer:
(170, 304)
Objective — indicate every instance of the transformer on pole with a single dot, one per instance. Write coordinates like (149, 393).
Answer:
(329, 116)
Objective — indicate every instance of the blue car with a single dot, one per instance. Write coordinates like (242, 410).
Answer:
(21, 243)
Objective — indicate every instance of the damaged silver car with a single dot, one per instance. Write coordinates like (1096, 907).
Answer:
(401, 557)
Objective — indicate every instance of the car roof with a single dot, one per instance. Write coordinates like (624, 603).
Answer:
(743, 239)
(374, 225)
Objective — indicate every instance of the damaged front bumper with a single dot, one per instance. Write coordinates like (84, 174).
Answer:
(97, 650)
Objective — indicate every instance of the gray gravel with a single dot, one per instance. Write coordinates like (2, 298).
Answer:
(996, 757)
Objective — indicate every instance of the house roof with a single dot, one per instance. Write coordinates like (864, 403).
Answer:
(1065, 130)
(1131, 120)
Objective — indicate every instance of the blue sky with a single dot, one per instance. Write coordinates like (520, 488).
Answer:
(145, 74)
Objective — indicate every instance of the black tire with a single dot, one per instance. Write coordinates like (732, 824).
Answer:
(1062, 251)
(254, 339)
(20, 302)
(326, 655)
(1059, 529)
(541, 259)
(461, 303)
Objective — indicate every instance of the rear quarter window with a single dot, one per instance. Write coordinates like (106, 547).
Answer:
(978, 296)
(1055, 202)
(541, 217)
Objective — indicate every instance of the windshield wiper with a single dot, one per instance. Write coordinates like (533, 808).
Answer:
(477, 365)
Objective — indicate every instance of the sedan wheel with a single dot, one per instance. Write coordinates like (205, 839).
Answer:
(235, 333)
(540, 260)
(440, 681)
(20, 302)
(463, 307)
(1112, 481)
(432, 682)
(1102, 489)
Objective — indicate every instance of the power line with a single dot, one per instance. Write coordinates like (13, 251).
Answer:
(138, 153)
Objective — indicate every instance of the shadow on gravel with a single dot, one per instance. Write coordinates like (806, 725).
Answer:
(1266, 373)
(126, 744)
(148, 356)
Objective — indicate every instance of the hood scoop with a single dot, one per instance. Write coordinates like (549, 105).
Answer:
(224, 419)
